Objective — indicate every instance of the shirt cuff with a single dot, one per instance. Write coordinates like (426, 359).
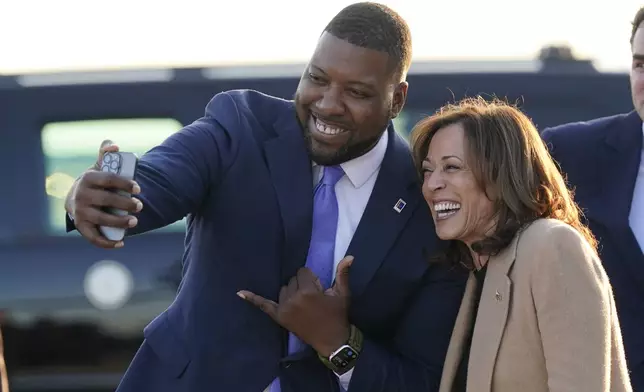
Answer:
(69, 223)
(345, 379)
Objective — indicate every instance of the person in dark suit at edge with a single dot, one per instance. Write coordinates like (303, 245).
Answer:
(604, 162)
(276, 193)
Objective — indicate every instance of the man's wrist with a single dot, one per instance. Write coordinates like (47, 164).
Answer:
(333, 344)
(354, 341)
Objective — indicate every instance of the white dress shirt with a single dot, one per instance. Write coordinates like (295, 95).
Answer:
(636, 216)
(353, 192)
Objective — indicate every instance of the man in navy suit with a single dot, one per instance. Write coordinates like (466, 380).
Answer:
(604, 162)
(273, 190)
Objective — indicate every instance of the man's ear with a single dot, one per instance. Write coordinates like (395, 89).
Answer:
(400, 97)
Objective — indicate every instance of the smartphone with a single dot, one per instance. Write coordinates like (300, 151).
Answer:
(122, 164)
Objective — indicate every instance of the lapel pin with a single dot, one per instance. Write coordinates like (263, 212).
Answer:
(400, 204)
(497, 296)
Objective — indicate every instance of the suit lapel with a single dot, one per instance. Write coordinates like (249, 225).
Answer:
(380, 222)
(290, 170)
(494, 307)
(462, 329)
(617, 165)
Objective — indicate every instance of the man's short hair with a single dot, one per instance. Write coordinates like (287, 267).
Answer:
(637, 21)
(378, 27)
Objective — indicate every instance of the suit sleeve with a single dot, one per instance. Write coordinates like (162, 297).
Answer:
(414, 362)
(176, 176)
(548, 137)
(574, 306)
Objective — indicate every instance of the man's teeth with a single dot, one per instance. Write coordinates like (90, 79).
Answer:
(444, 206)
(326, 129)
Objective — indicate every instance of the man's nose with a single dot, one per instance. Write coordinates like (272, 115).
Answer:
(331, 103)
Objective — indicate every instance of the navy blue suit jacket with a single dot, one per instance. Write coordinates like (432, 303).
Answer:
(601, 160)
(243, 177)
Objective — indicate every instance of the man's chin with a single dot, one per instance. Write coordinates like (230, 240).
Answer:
(325, 157)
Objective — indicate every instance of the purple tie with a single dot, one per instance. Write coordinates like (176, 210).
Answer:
(322, 248)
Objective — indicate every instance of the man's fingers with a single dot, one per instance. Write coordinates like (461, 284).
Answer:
(318, 284)
(106, 143)
(292, 286)
(267, 306)
(91, 233)
(106, 146)
(103, 198)
(343, 267)
(97, 217)
(307, 280)
(283, 297)
(341, 284)
(97, 179)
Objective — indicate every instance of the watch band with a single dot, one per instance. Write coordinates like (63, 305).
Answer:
(355, 341)
(355, 338)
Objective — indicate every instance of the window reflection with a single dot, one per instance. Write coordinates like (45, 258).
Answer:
(408, 118)
(71, 147)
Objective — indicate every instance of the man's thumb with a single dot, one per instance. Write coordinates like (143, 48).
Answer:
(106, 146)
(341, 285)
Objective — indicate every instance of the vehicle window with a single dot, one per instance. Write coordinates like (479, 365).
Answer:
(407, 119)
(70, 148)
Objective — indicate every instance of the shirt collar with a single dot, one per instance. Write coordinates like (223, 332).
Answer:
(360, 169)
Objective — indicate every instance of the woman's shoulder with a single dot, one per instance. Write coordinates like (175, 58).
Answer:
(552, 244)
(547, 231)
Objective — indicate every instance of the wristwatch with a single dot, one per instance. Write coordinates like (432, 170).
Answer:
(344, 358)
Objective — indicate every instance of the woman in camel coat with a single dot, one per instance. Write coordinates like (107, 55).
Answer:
(538, 313)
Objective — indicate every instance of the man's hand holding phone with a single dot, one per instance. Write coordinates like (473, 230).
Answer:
(97, 196)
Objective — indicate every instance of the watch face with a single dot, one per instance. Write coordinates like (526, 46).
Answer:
(344, 357)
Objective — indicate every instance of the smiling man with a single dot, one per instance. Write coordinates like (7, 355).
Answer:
(277, 193)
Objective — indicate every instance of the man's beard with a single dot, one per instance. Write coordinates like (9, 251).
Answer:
(350, 150)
